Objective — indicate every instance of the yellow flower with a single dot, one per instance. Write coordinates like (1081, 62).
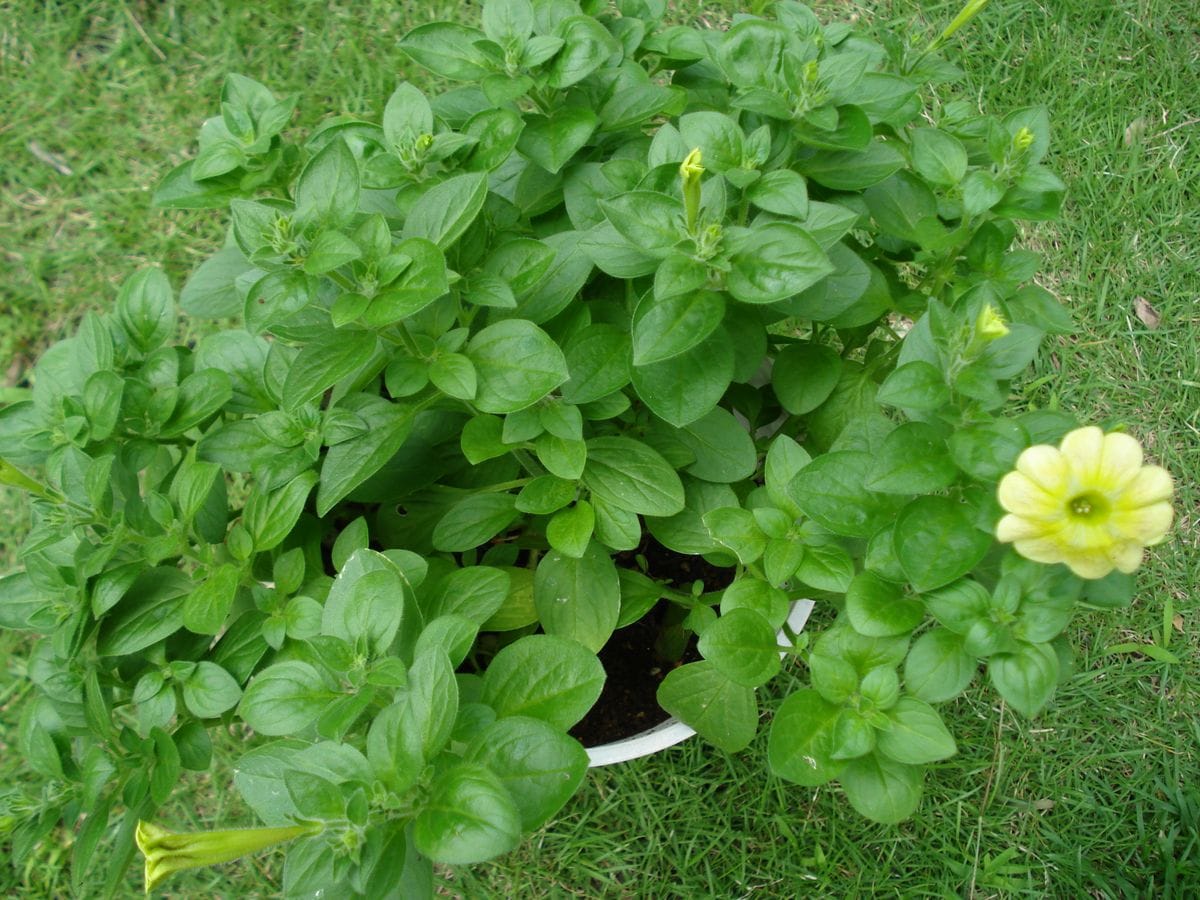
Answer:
(1088, 503)
(168, 852)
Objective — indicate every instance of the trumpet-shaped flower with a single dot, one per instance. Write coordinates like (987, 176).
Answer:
(1089, 503)
(168, 852)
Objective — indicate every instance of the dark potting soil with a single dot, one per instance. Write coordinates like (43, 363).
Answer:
(628, 703)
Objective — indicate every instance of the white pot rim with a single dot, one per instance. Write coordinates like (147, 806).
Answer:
(672, 731)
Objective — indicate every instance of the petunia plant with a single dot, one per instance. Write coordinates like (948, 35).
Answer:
(635, 325)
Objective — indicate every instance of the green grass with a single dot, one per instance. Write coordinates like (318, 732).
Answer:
(1099, 798)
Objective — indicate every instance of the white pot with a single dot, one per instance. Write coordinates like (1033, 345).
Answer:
(672, 731)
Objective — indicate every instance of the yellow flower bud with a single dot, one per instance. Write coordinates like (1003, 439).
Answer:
(168, 852)
(690, 172)
(989, 324)
(1023, 140)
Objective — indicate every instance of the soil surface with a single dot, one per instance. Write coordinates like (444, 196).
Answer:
(628, 704)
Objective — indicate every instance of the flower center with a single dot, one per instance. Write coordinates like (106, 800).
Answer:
(1089, 506)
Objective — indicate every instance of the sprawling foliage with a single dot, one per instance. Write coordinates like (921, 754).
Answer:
(749, 294)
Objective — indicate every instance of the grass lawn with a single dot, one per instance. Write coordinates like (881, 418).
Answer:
(1102, 799)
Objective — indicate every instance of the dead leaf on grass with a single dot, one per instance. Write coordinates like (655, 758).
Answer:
(1043, 805)
(1177, 623)
(1146, 313)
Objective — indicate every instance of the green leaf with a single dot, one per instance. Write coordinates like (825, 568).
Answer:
(742, 646)
(447, 209)
(722, 712)
(755, 594)
(687, 387)
(523, 263)
(366, 602)
(146, 309)
(207, 607)
(449, 50)
(782, 192)
(539, 766)
(406, 116)
(738, 530)
(517, 364)
(879, 608)
(938, 157)
(469, 817)
(331, 250)
(454, 375)
(719, 138)
(1026, 679)
(269, 517)
(912, 460)
(805, 375)
(651, 222)
(549, 678)
(881, 789)
(151, 610)
(350, 463)
(553, 142)
(313, 796)
(826, 567)
(578, 598)
(937, 667)
(598, 360)
(328, 187)
(936, 542)
(670, 326)
(773, 262)
(474, 521)
(850, 170)
(802, 742)
(917, 734)
(210, 292)
(587, 45)
(284, 698)
(423, 280)
(570, 530)
(324, 362)
(210, 690)
(831, 490)
(959, 605)
(629, 475)
(179, 190)
(915, 385)
(723, 449)
(981, 191)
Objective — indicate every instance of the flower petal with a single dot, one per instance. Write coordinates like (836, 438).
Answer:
(1089, 563)
(1043, 550)
(1146, 525)
(1021, 495)
(1016, 528)
(1045, 467)
(1126, 556)
(1083, 446)
(1120, 460)
(1152, 484)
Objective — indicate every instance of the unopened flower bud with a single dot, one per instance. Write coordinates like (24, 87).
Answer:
(690, 172)
(168, 852)
(989, 324)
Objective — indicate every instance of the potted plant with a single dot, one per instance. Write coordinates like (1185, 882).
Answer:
(635, 321)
